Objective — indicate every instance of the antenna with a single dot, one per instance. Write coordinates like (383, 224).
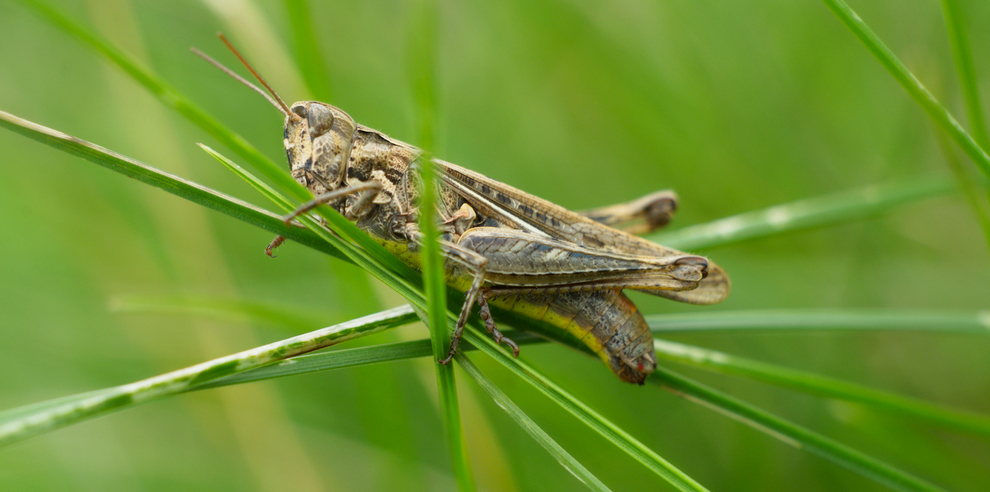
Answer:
(276, 101)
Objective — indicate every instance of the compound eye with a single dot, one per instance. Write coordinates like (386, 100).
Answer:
(299, 109)
(320, 120)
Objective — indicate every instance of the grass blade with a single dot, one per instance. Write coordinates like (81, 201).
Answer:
(563, 457)
(789, 432)
(384, 266)
(963, 58)
(422, 44)
(337, 359)
(959, 322)
(343, 358)
(159, 179)
(171, 98)
(76, 413)
(306, 46)
(635, 449)
(976, 197)
(910, 83)
(820, 211)
(715, 361)
(19, 424)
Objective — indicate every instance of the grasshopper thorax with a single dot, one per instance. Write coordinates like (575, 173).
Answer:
(318, 142)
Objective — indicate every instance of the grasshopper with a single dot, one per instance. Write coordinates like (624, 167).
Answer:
(501, 245)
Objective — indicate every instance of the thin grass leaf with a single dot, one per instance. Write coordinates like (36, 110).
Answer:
(446, 386)
(167, 182)
(808, 213)
(780, 429)
(974, 195)
(306, 47)
(789, 433)
(535, 431)
(959, 322)
(963, 59)
(914, 88)
(346, 358)
(628, 444)
(422, 44)
(294, 318)
(962, 56)
(337, 359)
(18, 424)
(815, 384)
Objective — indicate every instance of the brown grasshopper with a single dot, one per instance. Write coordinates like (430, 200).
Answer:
(502, 246)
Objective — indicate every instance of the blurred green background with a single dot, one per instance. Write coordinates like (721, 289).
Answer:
(736, 105)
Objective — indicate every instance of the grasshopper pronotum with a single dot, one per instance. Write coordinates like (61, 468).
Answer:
(501, 245)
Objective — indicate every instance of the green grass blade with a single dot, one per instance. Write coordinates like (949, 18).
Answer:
(450, 410)
(306, 48)
(963, 58)
(820, 385)
(18, 424)
(976, 197)
(635, 449)
(170, 97)
(960, 322)
(915, 89)
(422, 43)
(167, 182)
(820, 211)
(535, 431)
(789, 433)
(354, 357)
(337, 359)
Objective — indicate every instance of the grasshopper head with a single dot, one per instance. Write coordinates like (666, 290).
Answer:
(318, 136)
(318, 140)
